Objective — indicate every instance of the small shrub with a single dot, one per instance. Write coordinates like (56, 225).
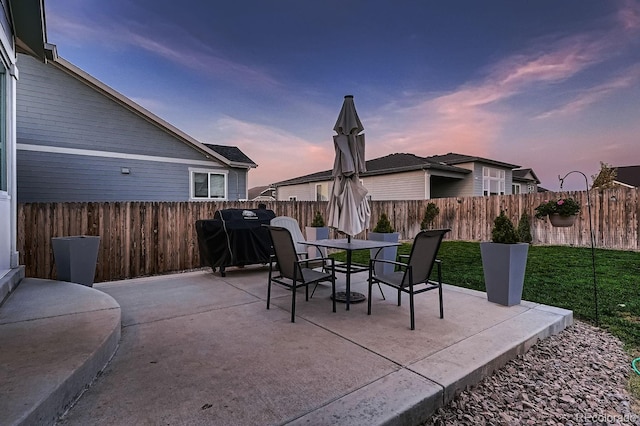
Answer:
(503, 230)
(383, 225)
(318, 221)
(524, 229)
(429, 216)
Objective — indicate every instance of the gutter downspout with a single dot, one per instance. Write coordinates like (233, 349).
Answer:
(427, 184)
(12, 184)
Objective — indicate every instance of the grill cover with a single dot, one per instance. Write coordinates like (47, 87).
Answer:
(234, 237)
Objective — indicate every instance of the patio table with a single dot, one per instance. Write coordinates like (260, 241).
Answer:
(350, 245)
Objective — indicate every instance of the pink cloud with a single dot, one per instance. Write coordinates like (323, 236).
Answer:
(626, 79)
(280, 155)
(471, 119)
(629, 15)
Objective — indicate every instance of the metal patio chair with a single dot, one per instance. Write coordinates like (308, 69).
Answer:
(413, 277)
(295, 272)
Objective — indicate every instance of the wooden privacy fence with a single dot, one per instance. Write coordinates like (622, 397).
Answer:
(149, 238)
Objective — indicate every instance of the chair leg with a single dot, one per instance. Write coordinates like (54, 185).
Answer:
(413, 322)
(381, 292)
(293, 302)
(269, 288)
(306, 292)
(440, 289)
(369, 298)
(333, 285)
(399, 297)
(333, 292)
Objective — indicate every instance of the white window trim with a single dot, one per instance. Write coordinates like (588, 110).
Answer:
(487, 179)
(224, 173)
(324, 192)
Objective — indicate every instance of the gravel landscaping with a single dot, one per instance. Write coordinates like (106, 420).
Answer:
(577, 377)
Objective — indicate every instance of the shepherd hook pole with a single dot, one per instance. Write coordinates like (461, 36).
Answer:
(593, 244)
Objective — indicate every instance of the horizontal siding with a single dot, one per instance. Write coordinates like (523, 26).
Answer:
(47, 177)
(302, 192)
(398, 186)
(55, 109)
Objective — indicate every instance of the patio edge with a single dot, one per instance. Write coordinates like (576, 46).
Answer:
(66, 377)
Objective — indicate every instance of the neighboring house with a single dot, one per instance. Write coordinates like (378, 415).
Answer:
(22, 29)
(262, 193)
(525, 181)
(79, 140)
(410, 177)
(628, 176)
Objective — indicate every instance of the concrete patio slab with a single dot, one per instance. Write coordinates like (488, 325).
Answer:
(197, 348)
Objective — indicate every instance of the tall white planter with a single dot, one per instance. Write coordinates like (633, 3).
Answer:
(504, 266)
(314, 234)
(386, 253)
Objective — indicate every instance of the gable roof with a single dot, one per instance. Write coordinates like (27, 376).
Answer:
(628, 175)
(521, 174)
(453, 158)
(392, 163)
(232, 153)
(256, 190)
(236, 160)
(262, 193)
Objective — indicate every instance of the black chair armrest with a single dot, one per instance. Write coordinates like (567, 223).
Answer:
(390, 262)
(324, 261)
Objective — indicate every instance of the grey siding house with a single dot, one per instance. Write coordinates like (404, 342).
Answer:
(78, 140)
(525, 181)
(410, 177)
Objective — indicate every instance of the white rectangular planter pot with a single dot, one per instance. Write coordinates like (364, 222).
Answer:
(504, 266)
(314, 234)
(386, 253)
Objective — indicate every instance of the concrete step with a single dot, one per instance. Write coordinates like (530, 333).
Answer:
(55, 337)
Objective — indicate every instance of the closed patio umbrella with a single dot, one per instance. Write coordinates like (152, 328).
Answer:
(348, 209)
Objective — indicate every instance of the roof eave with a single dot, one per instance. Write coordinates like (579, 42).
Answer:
(240, 165)
(481, 160)
(626, 185)
(30, 26)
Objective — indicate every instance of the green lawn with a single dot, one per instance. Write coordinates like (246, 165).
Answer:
(558, 276)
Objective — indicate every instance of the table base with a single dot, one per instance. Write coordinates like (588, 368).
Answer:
(341, 296)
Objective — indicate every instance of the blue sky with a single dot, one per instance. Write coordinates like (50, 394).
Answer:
(547, 84)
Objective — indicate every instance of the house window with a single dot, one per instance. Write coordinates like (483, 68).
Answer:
(293, 198)
(515, 188)
(207, 185)
(322, 194)
(493, 181)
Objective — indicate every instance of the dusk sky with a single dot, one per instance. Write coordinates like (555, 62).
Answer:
(553, 85)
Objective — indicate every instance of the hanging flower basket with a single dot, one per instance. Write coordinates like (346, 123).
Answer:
(562, 212)
(562, 221)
